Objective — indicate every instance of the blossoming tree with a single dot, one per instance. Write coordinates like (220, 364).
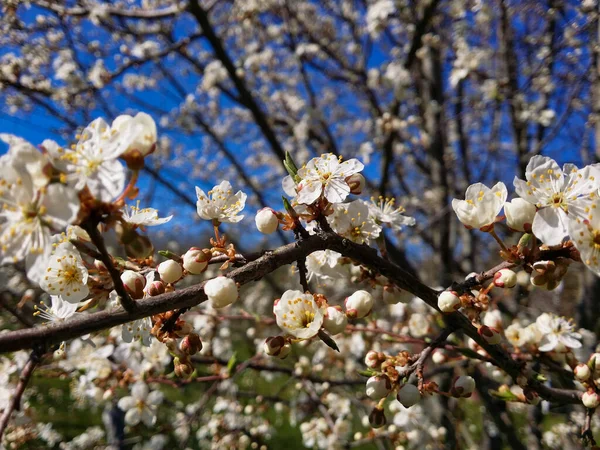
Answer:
(304, 302)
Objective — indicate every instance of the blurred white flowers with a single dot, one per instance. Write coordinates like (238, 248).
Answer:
(557, 333)
(141, 405)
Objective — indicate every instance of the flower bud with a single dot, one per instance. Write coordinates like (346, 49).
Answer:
(134, 283)
(170, 271)
(358, 305)
(378, 387)
(140, 131)
(277, 346)
(408, 395)
(582, 372)
(590, 400)
(357, 183)
(182, 369)
(221, 291)
(335, 320)
(374, 359)
(463, 386)
(154, 288)
(519, 214)
(266, 221)
(377, 418)
(191, 344)
(196, 260)
(531, 396)
(448, 302)
(438, 357)
(505, 278)
(491, 335)
(594, 362)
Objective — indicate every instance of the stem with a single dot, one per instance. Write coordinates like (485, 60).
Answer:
(132, 181)
(498, 240)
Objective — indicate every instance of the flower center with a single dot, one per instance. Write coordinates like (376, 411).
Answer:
(307, 319)
(596, 239)
(558, 201)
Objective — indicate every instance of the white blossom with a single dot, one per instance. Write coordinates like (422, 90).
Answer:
(66, 274)
(481, 205)
(557, 333)
(298, 314)
(385, 212)
(145, 217)
(326, 175)
(557, 194)
(59, 309)
(353, 221)
(220, 203)
(137, 134)
(585, 234)
(141, 405)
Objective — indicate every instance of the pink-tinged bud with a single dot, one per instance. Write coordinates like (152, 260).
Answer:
(134, 283)
(438, 357)
(335, 320)
(100, 266)
(357, 183)
(531, 396)
(408, 395)
(490, 335)
(183, 328)
(374, 359)
(463, 386)
(448, 302)
(378, 387)
(377, 418)
(155, 288)
(519, 214)
(582, 372)
(221, 291)
(191, 344)
(170, 271)
(196, 260)
(505, 278)
(277, 346)
(358, 305)
(266, 221)
(183, 370)
(590, 400)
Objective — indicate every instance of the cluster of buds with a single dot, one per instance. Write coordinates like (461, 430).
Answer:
(548, 274)
(277, 346)
(180, 339)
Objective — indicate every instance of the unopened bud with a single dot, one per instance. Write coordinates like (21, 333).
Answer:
(463, 386)
(335, 320)
(134, 283)
(358, 305)
(377, 418)
(357, 183)
(505, 278)
(155, 288)
(221, 291)
(191, 344)
(277, 346)
(582, 372)
(590, 400)
(409, 395)
(374, 359)
(378, 387)
(266, 221)
(170, 271)
(196, 260)
(519, 214)
(448, 302)
(491, 335)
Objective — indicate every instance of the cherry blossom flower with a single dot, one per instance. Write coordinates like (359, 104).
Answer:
(557, 333)
(585, 234)
(141, 405)
(92, 162)
(58, 311)
(145, 217)
(557, 193)
(326, 176)
(220, 203)
(66, 274)
(29, 215)
(298, 314)
(385, 212)
(481, 205)
(138, 133)
(353, 221)
(323, 265)
(24, 157)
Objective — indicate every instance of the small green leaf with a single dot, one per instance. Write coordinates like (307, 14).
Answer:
(367, 373)
(328, 340)
(506, 395)
(524, 241)
(232, 363)
(540, 377)
(290, 165)
(170, 255)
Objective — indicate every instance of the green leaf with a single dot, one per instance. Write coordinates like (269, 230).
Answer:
(506, 395)
(367, 373)
(328, 340)
(170, 255)
(232, 363)
(524, 241)
(290, 165)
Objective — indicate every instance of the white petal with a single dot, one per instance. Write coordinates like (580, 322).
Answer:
(550, 225)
